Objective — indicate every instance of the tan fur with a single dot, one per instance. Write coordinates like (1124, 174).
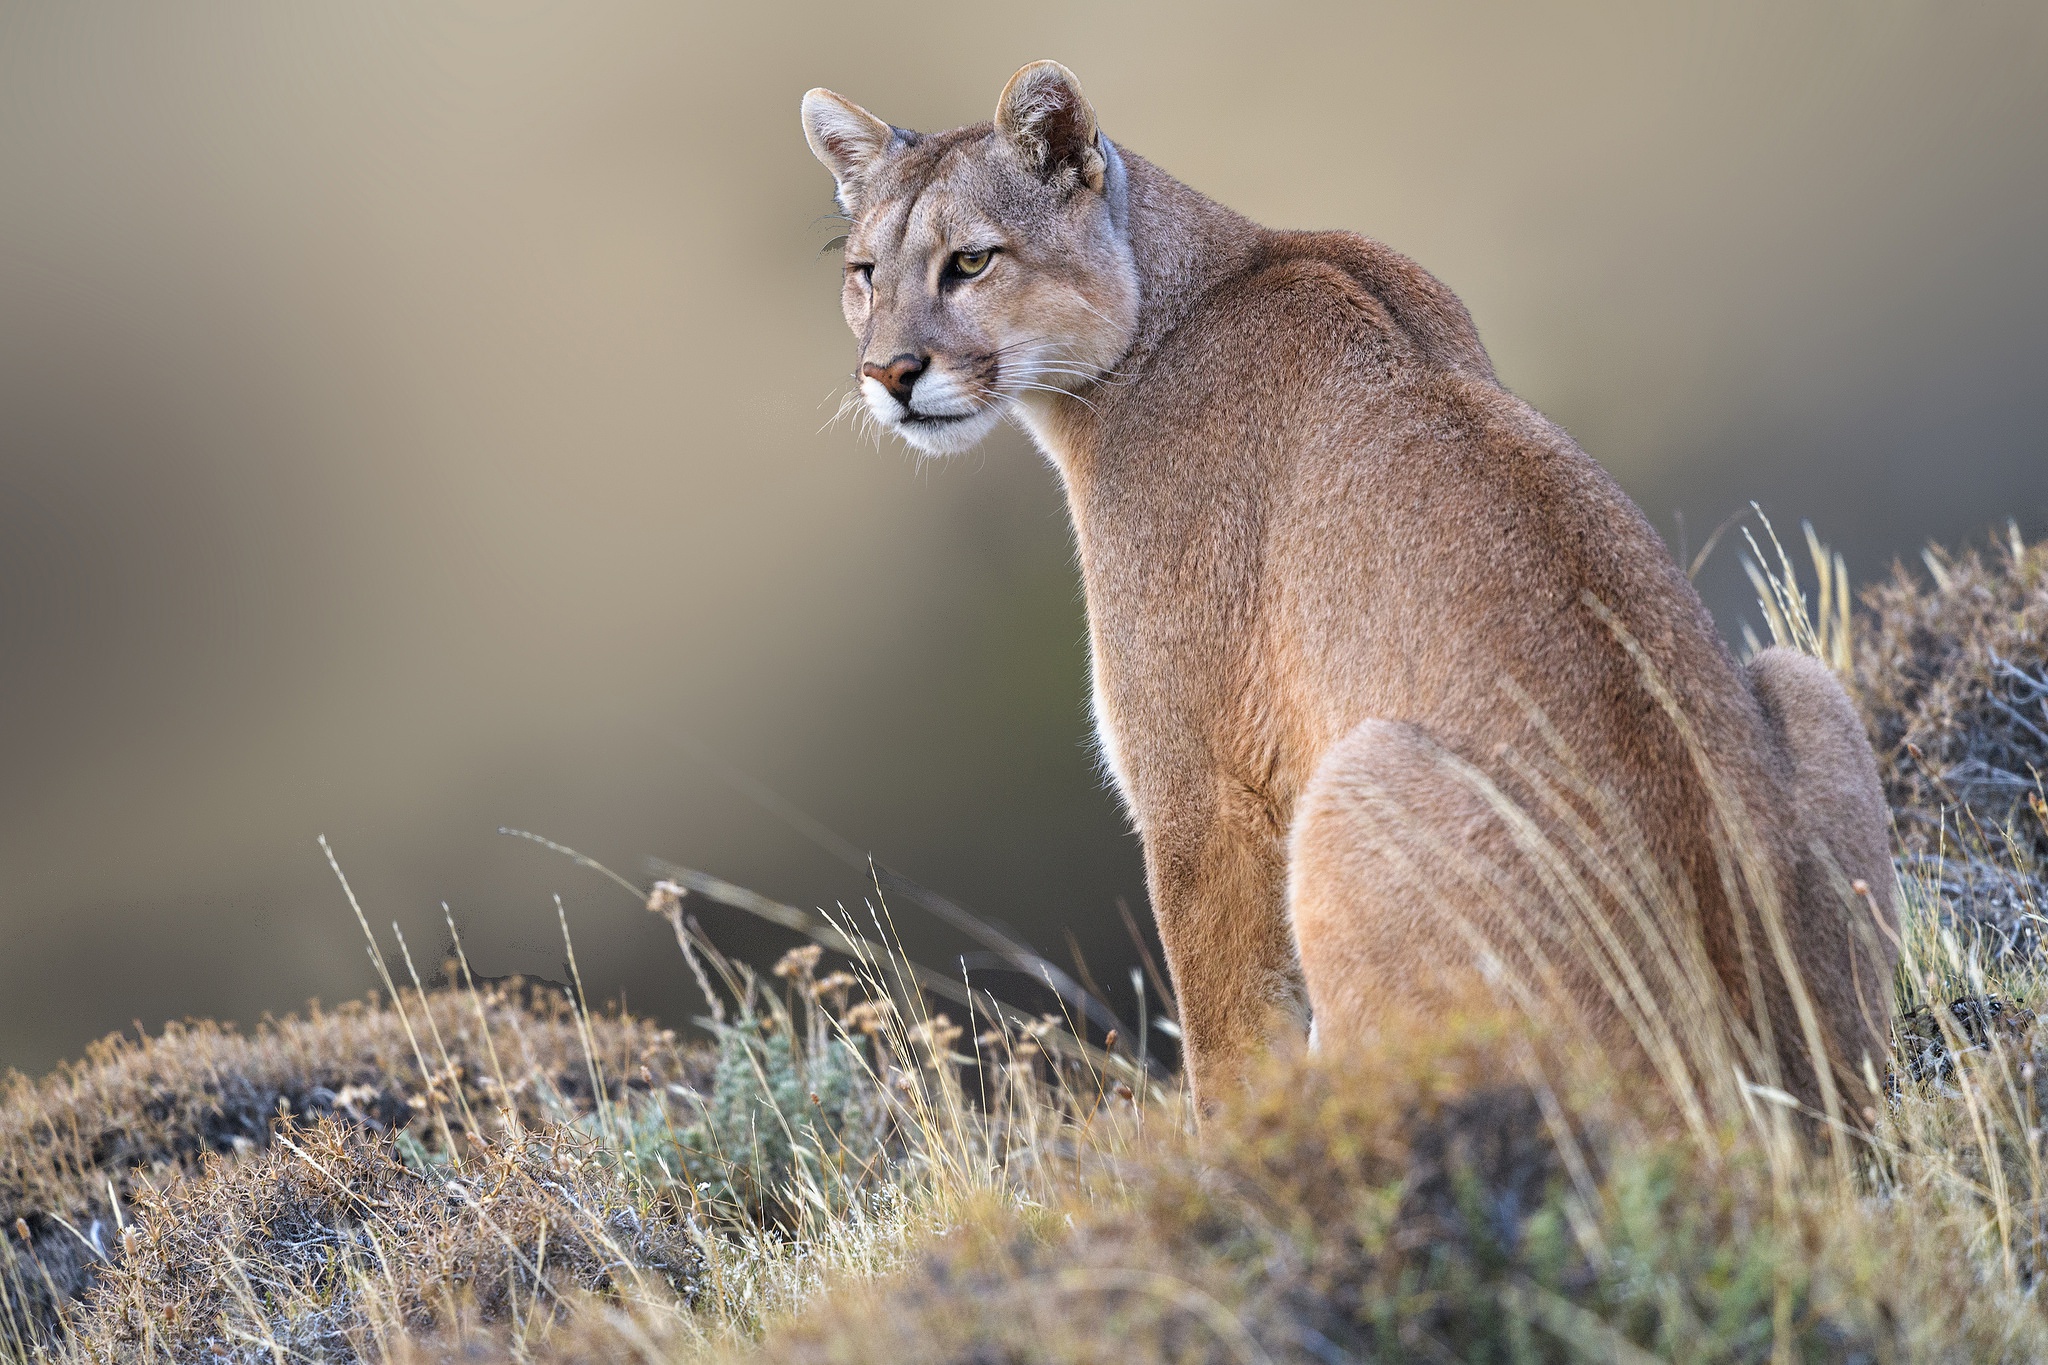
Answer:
(1354, 609)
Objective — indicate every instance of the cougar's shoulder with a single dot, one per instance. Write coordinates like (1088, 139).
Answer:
(1416, 306)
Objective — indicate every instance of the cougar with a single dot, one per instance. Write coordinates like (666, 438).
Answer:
(1400, 690)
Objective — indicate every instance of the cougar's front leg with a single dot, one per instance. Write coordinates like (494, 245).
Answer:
(1216, 867)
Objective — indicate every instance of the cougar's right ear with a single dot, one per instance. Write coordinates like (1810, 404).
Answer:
(1051, 124)
(847, 138)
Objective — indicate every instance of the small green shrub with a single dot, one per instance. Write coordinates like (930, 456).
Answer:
(779, 1117)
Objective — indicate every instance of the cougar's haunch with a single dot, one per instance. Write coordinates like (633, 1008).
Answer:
(1395, 682)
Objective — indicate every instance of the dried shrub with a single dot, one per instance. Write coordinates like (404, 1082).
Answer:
(1951, 673)
(79, 1143)
(327, 1245)
(1927, 1042)
(1952, 676)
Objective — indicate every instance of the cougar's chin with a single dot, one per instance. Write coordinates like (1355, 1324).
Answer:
(946, 435)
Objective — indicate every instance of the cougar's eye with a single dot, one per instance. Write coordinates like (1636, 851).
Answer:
(967, 264)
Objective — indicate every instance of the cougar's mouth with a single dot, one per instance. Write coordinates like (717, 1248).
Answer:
(944, 433)
(954, 421)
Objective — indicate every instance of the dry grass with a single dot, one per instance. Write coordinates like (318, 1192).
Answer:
(843, 1175)
(465, 1170)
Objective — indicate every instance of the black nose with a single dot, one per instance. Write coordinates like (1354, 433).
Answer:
(899, 375)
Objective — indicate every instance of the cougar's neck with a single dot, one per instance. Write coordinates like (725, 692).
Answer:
(1182, 245)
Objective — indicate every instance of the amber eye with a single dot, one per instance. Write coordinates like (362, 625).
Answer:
(968, 264)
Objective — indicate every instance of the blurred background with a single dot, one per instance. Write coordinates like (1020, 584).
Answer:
(413, 420)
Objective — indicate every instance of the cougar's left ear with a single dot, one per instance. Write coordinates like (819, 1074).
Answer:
(847, 138)
(1051, 124)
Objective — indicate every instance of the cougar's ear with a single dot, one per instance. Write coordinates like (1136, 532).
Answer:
(847, 138)
(1051, 124)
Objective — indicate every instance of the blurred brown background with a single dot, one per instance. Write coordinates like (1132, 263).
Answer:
(412, 421)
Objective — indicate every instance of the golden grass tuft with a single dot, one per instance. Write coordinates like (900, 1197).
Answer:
(1414, 1205)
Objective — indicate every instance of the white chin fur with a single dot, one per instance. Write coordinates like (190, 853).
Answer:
(948, 438)
(930, 438)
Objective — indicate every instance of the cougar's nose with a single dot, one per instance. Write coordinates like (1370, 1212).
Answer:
(898, 375)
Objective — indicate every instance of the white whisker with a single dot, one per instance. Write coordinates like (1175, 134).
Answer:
(1028, 386)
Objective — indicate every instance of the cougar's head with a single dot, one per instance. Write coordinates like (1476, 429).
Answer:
(987, 269)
